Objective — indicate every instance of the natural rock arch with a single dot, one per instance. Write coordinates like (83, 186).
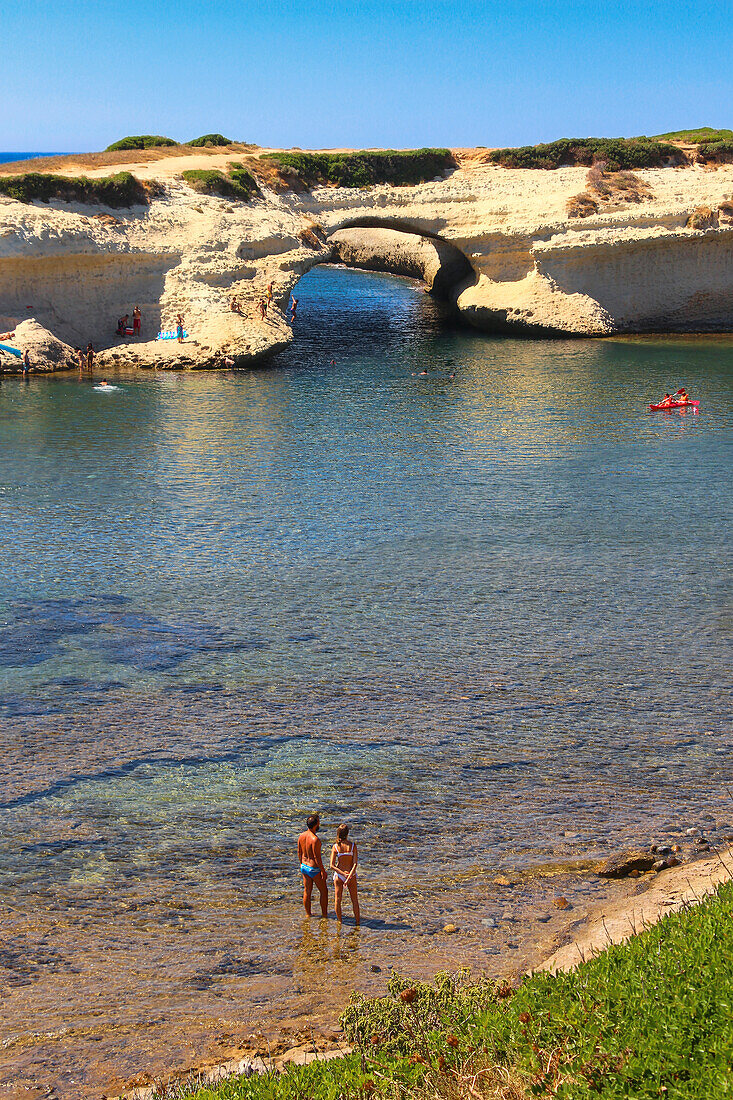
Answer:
(399, 248)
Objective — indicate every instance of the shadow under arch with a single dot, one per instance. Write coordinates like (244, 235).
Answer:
(402, 247)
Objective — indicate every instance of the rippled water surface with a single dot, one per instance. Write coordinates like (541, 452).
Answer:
(481, 614)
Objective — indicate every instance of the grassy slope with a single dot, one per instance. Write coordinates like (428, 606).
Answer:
(650, 1018)
(704, 133)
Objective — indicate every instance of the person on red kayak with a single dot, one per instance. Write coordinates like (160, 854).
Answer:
(681, 395)
(667, 400)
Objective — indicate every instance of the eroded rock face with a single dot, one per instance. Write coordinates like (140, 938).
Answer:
(443, 268)
(45, 351)
(497, 242)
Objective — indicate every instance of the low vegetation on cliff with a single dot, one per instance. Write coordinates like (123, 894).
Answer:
(650, 1018)
(720, 151)
(619, 154)
(365, 167)
(712, 145)
(696, 137)
(581, 206)
(209, 141)
(120, 190)
(237, 184)
(140, 141)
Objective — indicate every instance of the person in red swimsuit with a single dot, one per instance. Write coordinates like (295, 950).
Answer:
(136, 321)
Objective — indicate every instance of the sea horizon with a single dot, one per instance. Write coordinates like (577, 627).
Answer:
(9, 156)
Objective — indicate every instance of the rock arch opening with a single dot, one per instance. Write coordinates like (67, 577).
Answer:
(398, 248)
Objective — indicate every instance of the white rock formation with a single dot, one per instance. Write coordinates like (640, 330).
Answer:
(45, 351)
(497, 242)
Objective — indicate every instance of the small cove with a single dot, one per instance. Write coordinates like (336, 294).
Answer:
(483, 618)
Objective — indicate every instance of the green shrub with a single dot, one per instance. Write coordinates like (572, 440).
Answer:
(122, 189)
(239, 184)
(211, 140)
(716, 150)
(618, 153)
(363, 168)
(140, 141)
(694, 137)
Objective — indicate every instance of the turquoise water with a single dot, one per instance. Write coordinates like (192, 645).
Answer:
(482, 615)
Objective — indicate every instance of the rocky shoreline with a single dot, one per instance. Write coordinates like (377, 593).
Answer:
(503, 246)
(651, 892)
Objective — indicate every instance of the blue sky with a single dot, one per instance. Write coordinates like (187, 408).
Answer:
(401, 73)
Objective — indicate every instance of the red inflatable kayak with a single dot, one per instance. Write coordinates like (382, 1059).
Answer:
(675, 405)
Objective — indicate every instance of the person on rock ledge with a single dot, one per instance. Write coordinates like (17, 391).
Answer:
(311, 865)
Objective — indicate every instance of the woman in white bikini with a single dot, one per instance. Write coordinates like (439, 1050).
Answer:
(344, 858)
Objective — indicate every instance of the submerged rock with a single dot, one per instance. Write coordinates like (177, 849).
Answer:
(626, 863)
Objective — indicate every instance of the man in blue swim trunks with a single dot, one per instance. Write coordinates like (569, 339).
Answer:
(311, 865)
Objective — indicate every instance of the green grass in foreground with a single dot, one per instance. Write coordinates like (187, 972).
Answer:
(122, 189)
(238, 184)
(650, 1018)
(140, 141)
(365, 167)
(617, 153)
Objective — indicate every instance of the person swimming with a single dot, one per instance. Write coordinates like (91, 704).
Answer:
(344, 858)
(311, 865)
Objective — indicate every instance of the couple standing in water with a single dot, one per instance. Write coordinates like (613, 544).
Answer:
(343, 864)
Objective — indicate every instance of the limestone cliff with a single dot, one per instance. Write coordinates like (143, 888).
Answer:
(498, 243)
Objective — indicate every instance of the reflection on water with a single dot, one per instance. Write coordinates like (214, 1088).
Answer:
(483, 618)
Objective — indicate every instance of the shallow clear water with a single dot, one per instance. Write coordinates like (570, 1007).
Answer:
(484, 619)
